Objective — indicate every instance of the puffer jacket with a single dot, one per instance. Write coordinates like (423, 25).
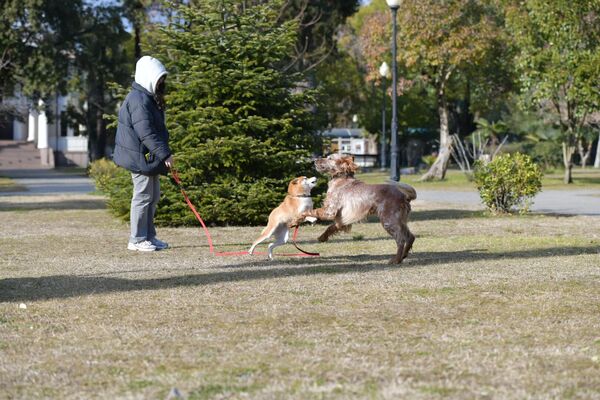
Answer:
(141, 144)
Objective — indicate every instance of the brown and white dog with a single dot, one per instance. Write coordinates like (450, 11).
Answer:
(296, 202)
(349, 200)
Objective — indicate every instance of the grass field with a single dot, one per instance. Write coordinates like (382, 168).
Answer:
(588, 178)
(484, 307)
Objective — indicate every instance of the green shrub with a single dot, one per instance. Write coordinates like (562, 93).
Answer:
(509, 181)
(115, 183)
(429, 160)
(103, 172)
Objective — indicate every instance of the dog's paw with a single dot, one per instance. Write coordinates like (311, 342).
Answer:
(312, 220)
(296, 222)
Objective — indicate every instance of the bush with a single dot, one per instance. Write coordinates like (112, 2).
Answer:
(509, 181)
(429, 160)
(115, 183)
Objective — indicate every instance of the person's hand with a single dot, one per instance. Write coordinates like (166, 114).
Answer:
(169, 162)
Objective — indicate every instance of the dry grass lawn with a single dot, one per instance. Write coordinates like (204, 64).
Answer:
(484, 307)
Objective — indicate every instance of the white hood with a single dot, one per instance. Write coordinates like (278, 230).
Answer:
(148, 71)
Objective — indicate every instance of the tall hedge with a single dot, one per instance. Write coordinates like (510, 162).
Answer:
(241, 126)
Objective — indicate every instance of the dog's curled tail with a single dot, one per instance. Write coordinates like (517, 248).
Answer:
(408, 191)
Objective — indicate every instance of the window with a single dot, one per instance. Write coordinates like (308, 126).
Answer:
(346, 146)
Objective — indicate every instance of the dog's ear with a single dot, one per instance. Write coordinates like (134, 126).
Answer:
(347, 165)
(295, 181)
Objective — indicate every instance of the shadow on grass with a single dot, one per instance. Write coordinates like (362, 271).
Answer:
(65, 286)
(78, 204)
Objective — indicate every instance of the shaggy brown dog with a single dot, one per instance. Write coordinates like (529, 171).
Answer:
(349, 200)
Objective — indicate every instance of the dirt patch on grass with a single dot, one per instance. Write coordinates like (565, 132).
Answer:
(484, 307)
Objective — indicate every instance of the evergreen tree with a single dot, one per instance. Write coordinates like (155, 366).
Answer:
(240, 126)
(36, 39)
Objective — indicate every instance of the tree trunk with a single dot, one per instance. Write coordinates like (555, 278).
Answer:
(584, 152)
(440, 166)
(568, 151)
(101, 135)
(97, 131)
(137, 41)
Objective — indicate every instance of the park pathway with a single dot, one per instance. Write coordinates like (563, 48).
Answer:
(48, 181)
(568, 202)
(21, 162)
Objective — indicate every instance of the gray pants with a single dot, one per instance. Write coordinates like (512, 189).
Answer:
(146, 193)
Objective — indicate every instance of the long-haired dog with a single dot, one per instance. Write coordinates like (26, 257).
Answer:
(349, 200)
(296, 202)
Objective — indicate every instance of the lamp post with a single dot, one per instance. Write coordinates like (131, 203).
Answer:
(384, 71)
(394, 165)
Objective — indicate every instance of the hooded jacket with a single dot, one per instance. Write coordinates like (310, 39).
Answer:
(141, 143)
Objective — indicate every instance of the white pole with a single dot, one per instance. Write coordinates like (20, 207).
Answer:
(597, 161)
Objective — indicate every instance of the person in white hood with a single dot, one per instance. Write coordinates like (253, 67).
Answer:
(142, 147)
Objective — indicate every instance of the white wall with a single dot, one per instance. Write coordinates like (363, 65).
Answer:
(19, 130)
(42, 131)
(32, 126)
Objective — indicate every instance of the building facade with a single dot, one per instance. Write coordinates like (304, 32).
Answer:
(59, 143)
(356, 142)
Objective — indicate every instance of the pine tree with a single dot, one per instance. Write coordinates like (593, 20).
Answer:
(240, 125)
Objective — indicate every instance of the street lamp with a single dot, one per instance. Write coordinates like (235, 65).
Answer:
(394, 166)
(384, 71)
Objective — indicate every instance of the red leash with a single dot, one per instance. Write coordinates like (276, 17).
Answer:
(209, 238)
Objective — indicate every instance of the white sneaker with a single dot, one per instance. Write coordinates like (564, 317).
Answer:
(159, 244)
(141, 246)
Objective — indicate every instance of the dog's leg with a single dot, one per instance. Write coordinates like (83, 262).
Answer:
(323, 214)
(266, 233)
(331, 230)
(282, 234)
(410, 239)
(393, 226)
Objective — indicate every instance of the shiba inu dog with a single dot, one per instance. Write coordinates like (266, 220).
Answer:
(296, 202)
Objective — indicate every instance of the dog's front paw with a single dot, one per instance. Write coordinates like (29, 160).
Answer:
(312, 220)
(296, 222)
